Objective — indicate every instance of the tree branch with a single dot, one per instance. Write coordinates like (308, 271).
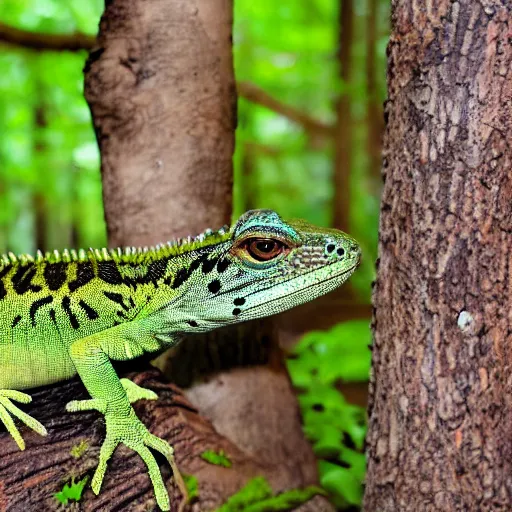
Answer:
(34, 475)
(78, 41)
(257, 95)
(262, 149)
(38, 41)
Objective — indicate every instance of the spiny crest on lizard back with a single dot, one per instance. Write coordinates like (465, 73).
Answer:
(122, 255)
(261, 266)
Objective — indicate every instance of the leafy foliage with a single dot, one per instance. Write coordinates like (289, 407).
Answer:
(216, 458)
(50, 187)
(71, 491)
(257, 496)
(336, 428)
(192, 485)
(340, 353)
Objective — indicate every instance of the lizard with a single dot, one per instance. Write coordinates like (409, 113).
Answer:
(74, 312)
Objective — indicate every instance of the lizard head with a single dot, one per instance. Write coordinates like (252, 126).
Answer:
(264, 266)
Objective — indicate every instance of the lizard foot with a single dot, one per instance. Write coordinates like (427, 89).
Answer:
(130, 431)
(8, 409)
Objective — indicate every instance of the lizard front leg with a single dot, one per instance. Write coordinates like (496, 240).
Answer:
(91, 357)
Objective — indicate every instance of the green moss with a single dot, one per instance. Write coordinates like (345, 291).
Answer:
(216, 458)
(257, 496)
(71, 492)
(79, 449)
(288, 500)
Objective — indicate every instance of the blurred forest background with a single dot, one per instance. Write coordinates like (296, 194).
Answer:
(311, 81)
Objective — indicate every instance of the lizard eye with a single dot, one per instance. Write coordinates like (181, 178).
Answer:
(263, 249)
(260, 251)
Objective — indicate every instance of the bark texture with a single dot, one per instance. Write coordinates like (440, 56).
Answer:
(440, 411)
(161, 89)
(30, 478)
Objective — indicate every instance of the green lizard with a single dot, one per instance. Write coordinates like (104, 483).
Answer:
(73, 312)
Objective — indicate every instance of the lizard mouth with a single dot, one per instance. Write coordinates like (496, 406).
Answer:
(286, 301)
(230, 291)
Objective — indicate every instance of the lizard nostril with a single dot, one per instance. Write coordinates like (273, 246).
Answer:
(341, 251)
(355, 252)
(330, 247)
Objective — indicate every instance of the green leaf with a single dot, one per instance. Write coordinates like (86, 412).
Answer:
(288, 500)
(256, 496)
(217, 458)
(255, 490)
(341, 483)
(71, 492)
(339, 353)
(192, 485)
(335, 427)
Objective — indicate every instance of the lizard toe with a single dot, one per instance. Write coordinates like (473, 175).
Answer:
(135, 392)
(8, 410)
(94, 404)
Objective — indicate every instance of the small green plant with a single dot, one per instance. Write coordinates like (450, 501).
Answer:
(192, 487)
(217, 458)
(71, 492)
(79, 449)
(257, 496)
(336, 428)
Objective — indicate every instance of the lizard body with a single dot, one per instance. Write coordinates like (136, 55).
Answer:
(73, 312)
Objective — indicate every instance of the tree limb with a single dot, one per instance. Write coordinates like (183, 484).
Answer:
(30, 478)
(39, 41)
(257, 95)
(78, 41)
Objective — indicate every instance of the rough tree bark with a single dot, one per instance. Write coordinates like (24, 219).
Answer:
(440, 413)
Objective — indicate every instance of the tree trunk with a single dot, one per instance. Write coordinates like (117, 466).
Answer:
(344, 125)
(162, 94)
(375, 124)
(440, 412)
(39, 200)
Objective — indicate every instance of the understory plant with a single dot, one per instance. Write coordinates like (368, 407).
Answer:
(318, 365)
